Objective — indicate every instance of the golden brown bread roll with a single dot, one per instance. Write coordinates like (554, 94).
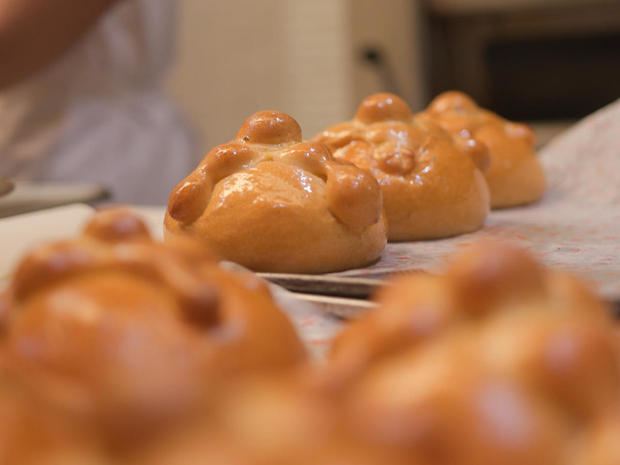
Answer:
(515, 176)
(431, 187)
(133, 333)
(495, 360)
(520, 387)
(443, 403)
(272, 203)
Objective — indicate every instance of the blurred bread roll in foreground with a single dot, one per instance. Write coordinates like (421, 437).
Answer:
(495, 360)
(515, 175)
(272, 203)
(117, 350)
(130, 334)
(432, 186)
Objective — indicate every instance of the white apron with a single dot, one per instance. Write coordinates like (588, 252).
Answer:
(99, 114)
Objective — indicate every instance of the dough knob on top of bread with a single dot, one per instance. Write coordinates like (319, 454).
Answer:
(489, 272)
(115, 224)
(431, 182)
(353, 196)
(477, 151)
(515, 175)
(310, 157)
(272, 203)
(139, 330)
(383, 107)
(271, 128)
(457, 102)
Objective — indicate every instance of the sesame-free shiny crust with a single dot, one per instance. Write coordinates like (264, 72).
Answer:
(515, 175)
(432, 183)
(273, 203)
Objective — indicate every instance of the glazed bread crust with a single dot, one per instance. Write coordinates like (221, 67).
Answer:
(494, 360)
(132, 333)
(432, 187)
(515, 176)
(272, 203)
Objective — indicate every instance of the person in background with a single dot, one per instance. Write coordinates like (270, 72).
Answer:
(81, 98)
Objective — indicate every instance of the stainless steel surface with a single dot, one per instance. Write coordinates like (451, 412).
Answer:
(359, 288)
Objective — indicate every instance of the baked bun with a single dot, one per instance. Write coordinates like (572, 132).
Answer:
(522, 387)
(119, 350)
(495, 360)
(134, 333)
(272, 203)
(516, 176)
(431, 187)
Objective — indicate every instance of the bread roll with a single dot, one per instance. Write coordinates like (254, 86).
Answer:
(495, 360)
(118, 350)
(133, 333)
(515, 175)
(431, 187)
(272, 203)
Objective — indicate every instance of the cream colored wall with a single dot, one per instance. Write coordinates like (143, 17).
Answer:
(394, 27)
(236, 57)
(227, 64)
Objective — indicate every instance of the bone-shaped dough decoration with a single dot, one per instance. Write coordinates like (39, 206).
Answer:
(271, 202)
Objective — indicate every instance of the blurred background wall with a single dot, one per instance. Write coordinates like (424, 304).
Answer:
(544, 61)
(306, 58)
